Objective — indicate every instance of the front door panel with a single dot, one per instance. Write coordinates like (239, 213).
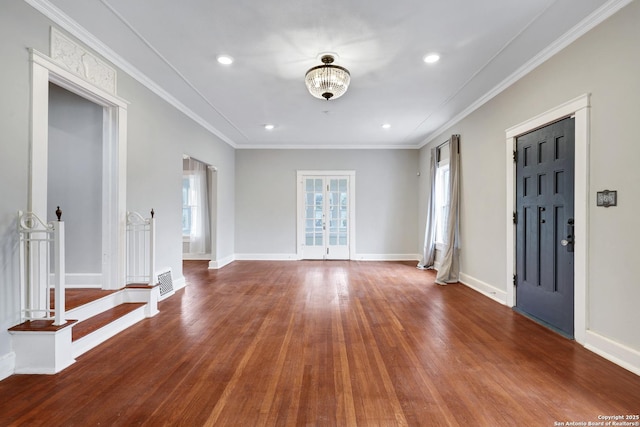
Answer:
(544, 230)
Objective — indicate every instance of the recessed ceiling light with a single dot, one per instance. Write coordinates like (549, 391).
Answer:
(269, 126)
(386, 126)
(225, 59)
(432, 58)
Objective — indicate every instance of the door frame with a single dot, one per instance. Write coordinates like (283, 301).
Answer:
(212, 192)
(114, 138)
(300, 207)
(578, 108)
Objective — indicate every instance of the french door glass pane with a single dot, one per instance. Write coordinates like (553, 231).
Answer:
(313, 211)
(342, 239)
(337, 200)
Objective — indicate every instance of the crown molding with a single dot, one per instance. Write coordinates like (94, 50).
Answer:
(325, 147)
(88, 39)
(580, 29)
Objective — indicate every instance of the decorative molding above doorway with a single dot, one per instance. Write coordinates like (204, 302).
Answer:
(78, 60)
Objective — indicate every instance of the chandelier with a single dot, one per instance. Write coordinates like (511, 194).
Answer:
(327, 81)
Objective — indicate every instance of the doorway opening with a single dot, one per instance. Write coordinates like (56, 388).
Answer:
(75, 182)
(198, 201)
(111, 111)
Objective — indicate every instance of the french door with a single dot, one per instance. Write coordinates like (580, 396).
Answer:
(325, 216)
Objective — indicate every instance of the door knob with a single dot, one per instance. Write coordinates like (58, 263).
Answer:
(564, 242)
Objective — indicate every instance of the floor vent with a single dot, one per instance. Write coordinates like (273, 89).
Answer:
(166, 284)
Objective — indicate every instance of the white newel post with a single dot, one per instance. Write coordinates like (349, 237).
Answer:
(152, 248)
(59, 266)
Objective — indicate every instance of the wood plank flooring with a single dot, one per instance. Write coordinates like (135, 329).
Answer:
(88, 326)
(326, 344)
(75, 297)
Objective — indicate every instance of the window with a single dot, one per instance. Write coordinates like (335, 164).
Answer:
(188, 206)
(442, 201)
(195, 207)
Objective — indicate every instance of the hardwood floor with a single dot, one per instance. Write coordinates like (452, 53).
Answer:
(76, 297)
(326, 344)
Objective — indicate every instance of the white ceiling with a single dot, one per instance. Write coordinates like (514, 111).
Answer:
(484, 45)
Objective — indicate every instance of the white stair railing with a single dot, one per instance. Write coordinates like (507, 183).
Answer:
(141, 257)
(42, 267)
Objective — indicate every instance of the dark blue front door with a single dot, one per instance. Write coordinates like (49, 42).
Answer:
(544, 225)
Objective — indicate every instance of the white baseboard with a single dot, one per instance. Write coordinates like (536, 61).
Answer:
(179, 283)
(613, 351)
(266, 257)
(219, 263)
(196, 257)
(386, 257)
(484, 288)
(82, 280)
(7, 365)
(294, 257)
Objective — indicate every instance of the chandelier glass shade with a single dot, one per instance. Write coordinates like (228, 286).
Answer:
(327, 81)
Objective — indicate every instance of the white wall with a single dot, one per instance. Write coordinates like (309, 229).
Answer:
(158, 135)
(606, 63)
(19, 27)
(75, 177)
(386, 198)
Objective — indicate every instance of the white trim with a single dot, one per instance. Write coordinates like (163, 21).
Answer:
(7, 365)
(300, 206)
(44, 70)
(83, 280)
(266, 257)
(75, 58)
(70, 81)
(179, 283)
(196, 257)
(327, 147)
(219, 263)
(94, 307)
(387, 257)
(294, 257)
(149, 296)
(580, 29)
(579, 107)
(484, 288)
(615, 352)
(42, 352)
(564, 110)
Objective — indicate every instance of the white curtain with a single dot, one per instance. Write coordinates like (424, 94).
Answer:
(449, 270)
(197, 172)
(429, 250)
